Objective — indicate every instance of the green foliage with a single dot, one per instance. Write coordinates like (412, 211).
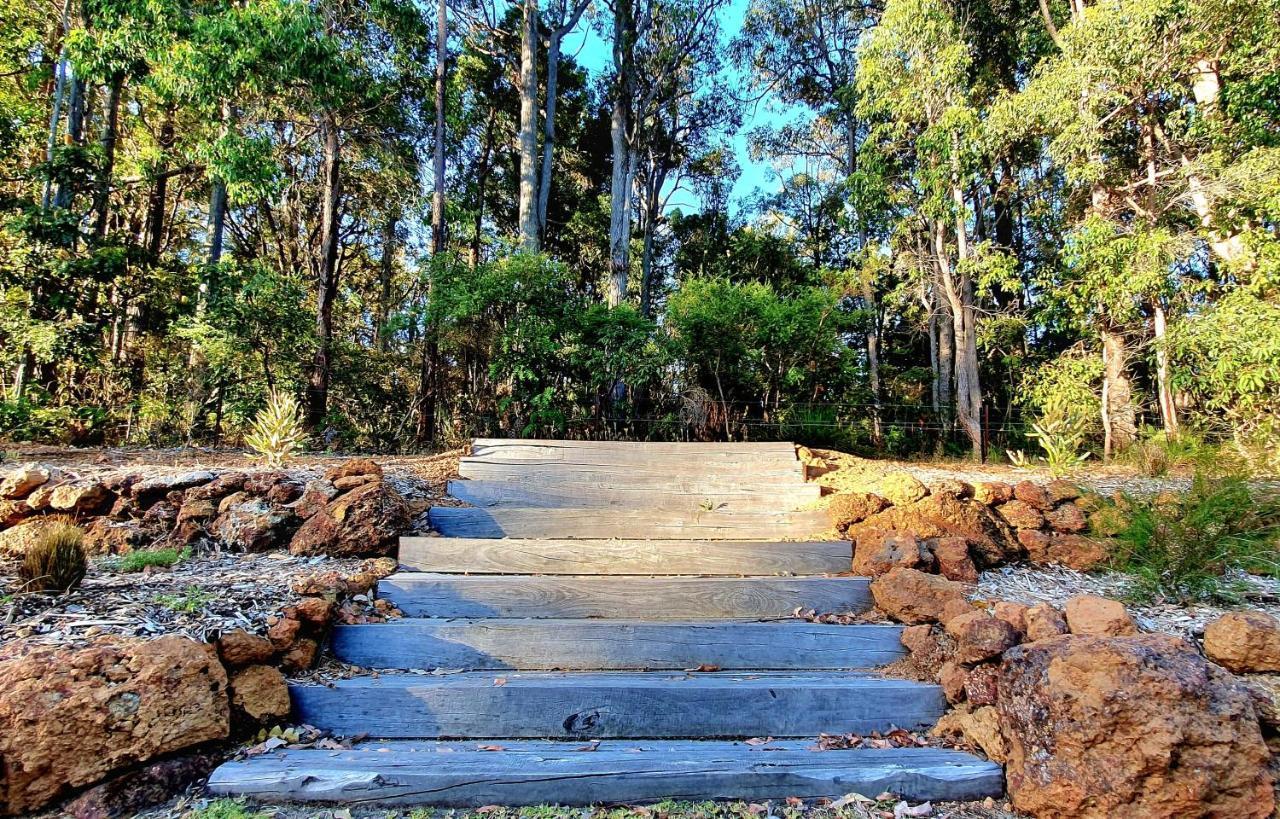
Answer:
(1180, 551)
(1158, 453)
(1061, 438)
(224, 809)
(55, 562)
(146, 558)
(277, 431)
(191, 600)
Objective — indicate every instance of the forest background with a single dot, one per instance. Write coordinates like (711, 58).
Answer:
(966, 227)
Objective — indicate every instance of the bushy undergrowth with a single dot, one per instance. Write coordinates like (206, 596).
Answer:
(1158, 454)
(56, 561)
(1184, 549)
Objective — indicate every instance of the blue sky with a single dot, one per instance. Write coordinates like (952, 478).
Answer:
(594, 53)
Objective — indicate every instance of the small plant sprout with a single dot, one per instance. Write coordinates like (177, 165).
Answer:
(277, 430)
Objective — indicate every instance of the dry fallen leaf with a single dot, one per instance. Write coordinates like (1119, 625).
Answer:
(500, 681)
(760, 740)
(705, 668)
(490, 748)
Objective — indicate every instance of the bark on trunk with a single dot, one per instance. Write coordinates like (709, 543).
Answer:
(327, 289)
(75, 136)
(1164, 380)
(159, 192)
(386, 271)
(482, 183)
(429, 377)
(528, 204)
(1119, 418)
(619, 132)
(110, 126)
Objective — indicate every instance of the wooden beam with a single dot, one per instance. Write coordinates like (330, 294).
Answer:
(624, 557)
(645, 598)
(517, 522)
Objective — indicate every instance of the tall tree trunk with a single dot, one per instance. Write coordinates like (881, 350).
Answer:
(429, 377)
(959, 289)
(482, 183)
(619, 133)
(110, 132)
(567, 13)
(55, 114)
(873, 355)
(75, 136)
(1229, 248)
(386, 272)
(158, 199)
(1119, 419)
(218, 206)
(528, 204)
(1164, 380)
(327, 286)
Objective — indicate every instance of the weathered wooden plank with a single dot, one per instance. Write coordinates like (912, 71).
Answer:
(615, 645)
(784, 463)
(561, 496)
(679, 447)
(623, 557)
(648, 598)
(518, 522)
(616, 705)
(670, 478)
(531, 772)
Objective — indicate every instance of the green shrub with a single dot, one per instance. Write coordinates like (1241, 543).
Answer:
(190, 601)
(1181, 551)
(1157, 454)
(223, 809)
(144, 558)
(55, 562)
(277, 430)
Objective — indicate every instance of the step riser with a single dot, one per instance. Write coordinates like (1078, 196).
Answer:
(622, 708)
(586, 645)
(691, 462)
(620, 557)
(622, 597)
(479, 445)
(499, 493)
(510, 522)
(461, 777)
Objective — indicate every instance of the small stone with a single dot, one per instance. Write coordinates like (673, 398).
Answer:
(952, 677)
(83, 497)
(1244, 642)
(979, 727)
(283, 633)
(349, 482)
(356, 466)
(979, 636)
(912, 596)
(876, 553)
(1067, 518)
(315, 611)
(930, 647)
(301, 656)
(1020, 515)
(260, 694)
(1044, 621)
(954, 562)
(218, 488)
(1061, 490)
(1077, 552)
(982, 686)
(1098, 616)
(1032, 494)
(991, 493)
(1015, 614)
(240, 648)
(953, 488)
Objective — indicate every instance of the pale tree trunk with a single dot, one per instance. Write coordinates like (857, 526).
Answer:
(327, 289)
(964, 318)
(482, 182)
(1119, 418)
(529, 128)
(1206, 86)
(619, 127)
(55, 116)
(562, 25)
(873, 355)
(1164, 380)
(75, 136)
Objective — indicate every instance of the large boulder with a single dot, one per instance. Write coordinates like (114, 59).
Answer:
(1244, 641)
(902, 488)
(992, 541)
(367, 521)
(25, 479)
(70, 717)
(848, 508)
(912, 596)
(82, 497)
(1140, 727)
(150, 490)
(251, 524)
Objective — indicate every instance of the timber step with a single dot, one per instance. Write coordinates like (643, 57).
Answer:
(421, 594)
(524, 772)
(587, 496)
(616, 705)
(603, 556)
(519, 522)
(481, 446)
(673, 477)
(607, 645)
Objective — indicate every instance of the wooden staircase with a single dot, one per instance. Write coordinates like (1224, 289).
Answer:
(612, 622)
